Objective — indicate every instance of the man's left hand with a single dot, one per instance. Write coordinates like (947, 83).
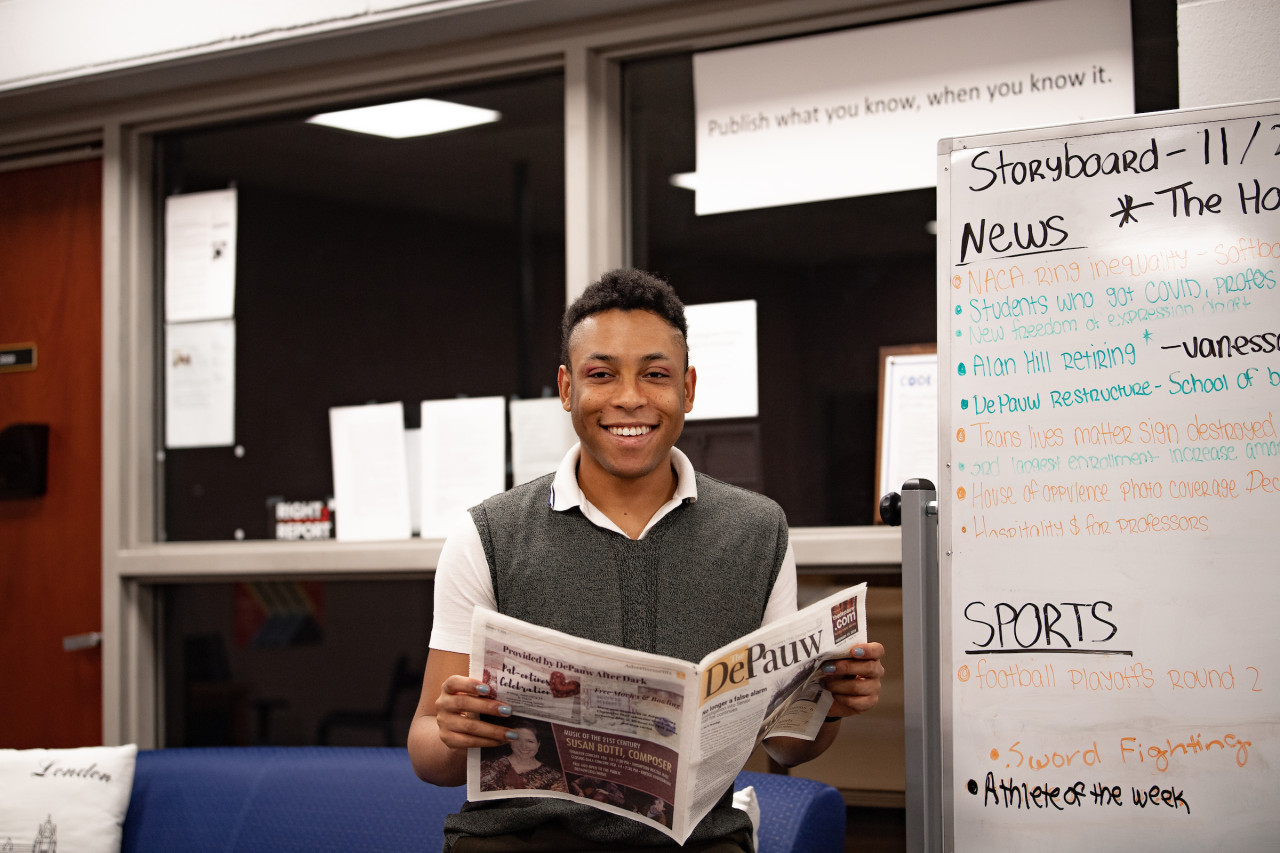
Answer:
(855, 681)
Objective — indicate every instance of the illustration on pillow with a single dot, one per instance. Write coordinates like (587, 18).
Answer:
(75, 799)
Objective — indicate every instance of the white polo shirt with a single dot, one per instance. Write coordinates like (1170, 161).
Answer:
(462, 574)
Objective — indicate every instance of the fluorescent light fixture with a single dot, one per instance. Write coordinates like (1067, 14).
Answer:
(404, 119)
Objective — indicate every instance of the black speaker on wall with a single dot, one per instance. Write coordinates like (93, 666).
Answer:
(24, 457)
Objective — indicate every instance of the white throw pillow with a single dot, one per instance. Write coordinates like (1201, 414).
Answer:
(74, 798)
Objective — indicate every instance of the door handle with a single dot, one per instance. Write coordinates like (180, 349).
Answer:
(77, 642)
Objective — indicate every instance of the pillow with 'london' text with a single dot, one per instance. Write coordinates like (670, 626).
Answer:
(70, 800)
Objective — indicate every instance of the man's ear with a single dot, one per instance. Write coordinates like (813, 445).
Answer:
(565, 383)
(690, 380)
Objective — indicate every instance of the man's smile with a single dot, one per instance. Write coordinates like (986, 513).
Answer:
(629, 430)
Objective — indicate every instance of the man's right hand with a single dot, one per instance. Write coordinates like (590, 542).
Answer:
(448, 720)
(458, 710)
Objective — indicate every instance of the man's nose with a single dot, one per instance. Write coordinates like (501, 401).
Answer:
(629, 394)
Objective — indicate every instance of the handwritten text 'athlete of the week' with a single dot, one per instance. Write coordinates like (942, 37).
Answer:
(1012, 794)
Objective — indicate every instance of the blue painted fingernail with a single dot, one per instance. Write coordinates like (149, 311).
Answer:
(857, 653)
(512, 736)
(504, 709)
(828, 667)
(482, 689)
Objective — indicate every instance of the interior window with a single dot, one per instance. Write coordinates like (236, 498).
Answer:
(370, 269)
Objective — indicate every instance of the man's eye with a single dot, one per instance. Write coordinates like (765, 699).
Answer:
(598, 374)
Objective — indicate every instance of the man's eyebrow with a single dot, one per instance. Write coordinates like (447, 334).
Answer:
(609, 359)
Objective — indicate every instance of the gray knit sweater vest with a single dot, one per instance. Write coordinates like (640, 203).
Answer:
(698, 580)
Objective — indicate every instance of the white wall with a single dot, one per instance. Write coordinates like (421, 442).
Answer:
(1228, 51)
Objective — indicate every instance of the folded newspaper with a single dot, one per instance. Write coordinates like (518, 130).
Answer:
(653, 738)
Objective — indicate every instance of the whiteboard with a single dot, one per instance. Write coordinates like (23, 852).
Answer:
(1110, 484)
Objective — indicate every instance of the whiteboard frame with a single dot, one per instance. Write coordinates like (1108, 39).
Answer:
(946, 147)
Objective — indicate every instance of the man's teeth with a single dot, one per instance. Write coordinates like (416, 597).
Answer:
(634, 430)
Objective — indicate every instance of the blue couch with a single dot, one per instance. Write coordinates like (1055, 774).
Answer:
(351, 799)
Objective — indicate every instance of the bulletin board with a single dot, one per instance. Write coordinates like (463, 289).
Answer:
(1109, 373)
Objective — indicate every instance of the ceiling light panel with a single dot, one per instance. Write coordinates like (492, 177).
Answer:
(404, 119)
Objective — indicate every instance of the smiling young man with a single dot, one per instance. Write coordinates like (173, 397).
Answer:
(624, 544)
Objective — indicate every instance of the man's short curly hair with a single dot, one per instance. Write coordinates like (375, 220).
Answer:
(630, 290)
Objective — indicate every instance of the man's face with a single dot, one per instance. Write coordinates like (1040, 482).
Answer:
(627, 389)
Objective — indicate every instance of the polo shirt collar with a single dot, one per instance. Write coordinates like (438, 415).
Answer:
(565, 493)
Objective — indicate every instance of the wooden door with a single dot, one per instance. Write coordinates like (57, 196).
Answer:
(51, 546)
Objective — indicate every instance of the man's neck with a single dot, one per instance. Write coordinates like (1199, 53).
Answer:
(627, 503)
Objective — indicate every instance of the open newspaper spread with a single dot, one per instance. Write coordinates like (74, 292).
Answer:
(652, 738)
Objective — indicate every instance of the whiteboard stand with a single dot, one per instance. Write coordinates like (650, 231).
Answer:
(917, 511)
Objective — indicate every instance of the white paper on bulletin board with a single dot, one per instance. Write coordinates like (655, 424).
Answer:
(908, 420)
(200, 384)
(857, 111)
(200, 256)
(722, 349)
(463, 457)
(541, 434)
(370, 472)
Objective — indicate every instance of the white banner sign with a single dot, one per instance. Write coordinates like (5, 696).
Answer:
(861, 111)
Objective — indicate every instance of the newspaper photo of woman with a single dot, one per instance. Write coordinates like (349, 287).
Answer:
(523, 763)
